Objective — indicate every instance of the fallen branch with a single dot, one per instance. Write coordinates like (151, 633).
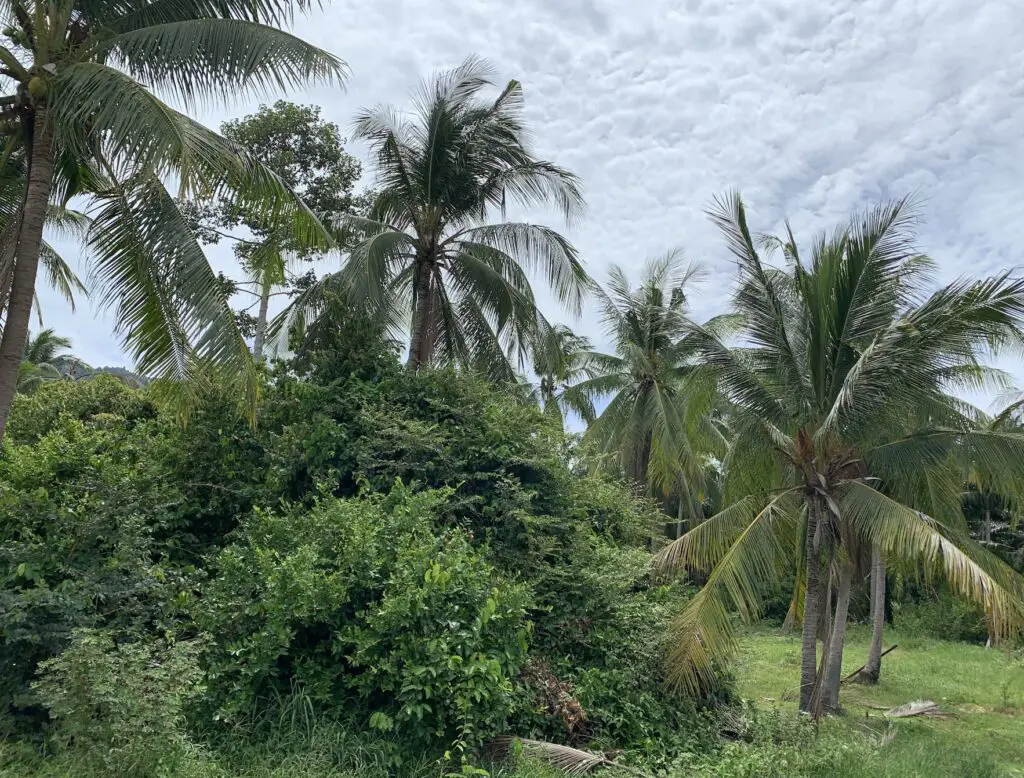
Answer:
(859, 669)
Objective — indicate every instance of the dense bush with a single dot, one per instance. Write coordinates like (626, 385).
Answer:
(936, 613)
(363, 605)
(121, 705)
(408, 552)
(79, 509)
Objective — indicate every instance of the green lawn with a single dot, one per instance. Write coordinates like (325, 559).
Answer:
(982, 689)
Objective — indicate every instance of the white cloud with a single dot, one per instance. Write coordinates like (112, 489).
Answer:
(811, 109)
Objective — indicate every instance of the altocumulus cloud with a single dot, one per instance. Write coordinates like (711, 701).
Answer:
(810, 109)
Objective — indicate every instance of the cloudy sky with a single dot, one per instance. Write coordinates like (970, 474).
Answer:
(810, 109)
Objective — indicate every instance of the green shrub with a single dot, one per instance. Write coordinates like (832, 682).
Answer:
(103, 399)
(772, 744)
(940, 615)
(78, 512)
(365, 602)
(122, 704)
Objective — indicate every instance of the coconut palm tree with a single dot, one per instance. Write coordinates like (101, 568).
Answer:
(844, 436)
(431, 253)
(657, 425)
(559, 361)
(81, 79)
(62, 222)
(46, 359)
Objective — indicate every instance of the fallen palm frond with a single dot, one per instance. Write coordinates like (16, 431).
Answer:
(917, 708)
(572, 761)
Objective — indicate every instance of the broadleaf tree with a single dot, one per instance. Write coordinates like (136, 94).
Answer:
(309, 156)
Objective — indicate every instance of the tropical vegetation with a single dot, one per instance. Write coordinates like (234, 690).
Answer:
(412, 524)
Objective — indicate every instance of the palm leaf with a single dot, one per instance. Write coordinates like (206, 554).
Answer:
(903, 532)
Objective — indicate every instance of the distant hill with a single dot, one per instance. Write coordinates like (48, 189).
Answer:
(123, 373)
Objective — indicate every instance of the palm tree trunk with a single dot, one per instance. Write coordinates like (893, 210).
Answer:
(26, 263)
(873, 669)
(825, 635)
(813, 600)
(419, 344)
(261, 322)
(986, 524)
(834, 666)
(641, 463)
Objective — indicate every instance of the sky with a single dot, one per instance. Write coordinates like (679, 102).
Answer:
(811, 109)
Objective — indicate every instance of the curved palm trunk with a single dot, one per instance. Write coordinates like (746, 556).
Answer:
(834, 665)
(813, 602)
(873, 669)
(261, 322)
(26, 263)
(421, 341)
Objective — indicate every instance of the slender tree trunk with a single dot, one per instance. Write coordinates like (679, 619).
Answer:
(873, 669)
(813, 601)
(261, 322)
(825, 635)
(986, 523)
(834, 666)
(641, 464)
(26, 263)
(420, 341)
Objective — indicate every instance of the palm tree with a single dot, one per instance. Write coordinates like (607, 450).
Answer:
(559, 360)
(45, 358)
(843, 435)
(430, 252)
(79, 76)
(63, 222)
(657, 425)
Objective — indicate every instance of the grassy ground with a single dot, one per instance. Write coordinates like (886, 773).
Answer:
(982, 689)
(984, 737)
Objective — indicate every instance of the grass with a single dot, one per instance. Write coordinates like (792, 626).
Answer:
(982, 689)
(984, 738)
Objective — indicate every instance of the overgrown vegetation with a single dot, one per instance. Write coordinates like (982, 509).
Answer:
(302, 556)
(414, 554)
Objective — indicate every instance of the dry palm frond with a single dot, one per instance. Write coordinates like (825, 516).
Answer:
(916, 708)
(571, 761)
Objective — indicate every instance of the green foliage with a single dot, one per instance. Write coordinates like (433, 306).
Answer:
(385, 547)
(304, 150)
(122, 703)
(936, 613)
(103, 398)
(78, 513)
(372, 604)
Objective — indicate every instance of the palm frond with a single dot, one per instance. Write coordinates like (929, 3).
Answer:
(210, 57)
(571, 761)
(903, 532)
(703, 637)
(171, 312)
